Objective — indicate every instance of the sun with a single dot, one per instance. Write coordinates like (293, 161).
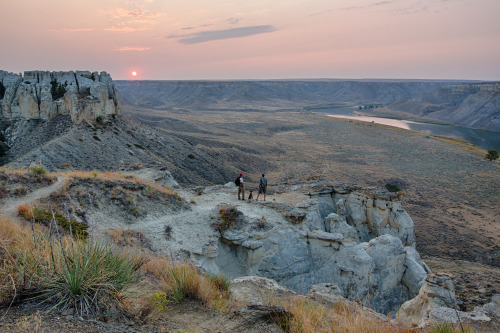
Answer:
(134, 73)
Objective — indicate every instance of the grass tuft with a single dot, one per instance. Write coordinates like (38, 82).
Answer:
(25, 211)
(91, 278)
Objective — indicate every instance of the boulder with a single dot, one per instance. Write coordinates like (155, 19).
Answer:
(493, 308)
(436, 303)
(256, 290)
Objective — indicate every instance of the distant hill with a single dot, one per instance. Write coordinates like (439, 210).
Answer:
(475, 105)
(470, 104)
(279, 94)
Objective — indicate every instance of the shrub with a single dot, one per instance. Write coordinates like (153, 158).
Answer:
(491, 155)
(160, 301)
(261, 223)
(91, 278)
(25, 211)
(38, 170)
(79, 230)
(228, 217)
(3, 150)
(392, 187)
(2, 90)
(99, 120)
(57, 90)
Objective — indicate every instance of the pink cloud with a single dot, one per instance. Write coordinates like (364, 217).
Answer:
(132, 48)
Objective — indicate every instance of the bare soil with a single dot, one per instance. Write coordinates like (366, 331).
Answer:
(188, 316)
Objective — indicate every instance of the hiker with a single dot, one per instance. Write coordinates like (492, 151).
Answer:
(262, 187)
(241, 189)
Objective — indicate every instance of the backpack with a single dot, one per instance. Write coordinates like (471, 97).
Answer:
(263, 182)
(237, 181)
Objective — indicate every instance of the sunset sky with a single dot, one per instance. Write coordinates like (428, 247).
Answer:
(254, 39)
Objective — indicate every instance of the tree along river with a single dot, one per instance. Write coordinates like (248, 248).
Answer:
(479, 137)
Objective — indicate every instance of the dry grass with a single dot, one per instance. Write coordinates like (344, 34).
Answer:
(116, 177)
(26, 267)
(25, 211)
(182, 280)
(30, 323)
(309, 317)
(129, 238)
(24, 264)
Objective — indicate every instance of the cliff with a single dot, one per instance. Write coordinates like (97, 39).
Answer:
(82, 95)
(269, 95)
(475, 105)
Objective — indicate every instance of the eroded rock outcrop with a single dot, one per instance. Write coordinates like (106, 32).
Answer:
(361, 240)
(436, 303)
(82, 95)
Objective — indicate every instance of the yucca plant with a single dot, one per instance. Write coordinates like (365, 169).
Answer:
(91, 277)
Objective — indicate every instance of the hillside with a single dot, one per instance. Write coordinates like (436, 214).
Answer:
(275, 95)
(470, 105)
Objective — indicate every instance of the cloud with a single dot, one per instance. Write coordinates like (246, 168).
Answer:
(233, 20)
(376, 4)
(135, 19)
(126, 29)
(72, 30)
(210, 35)
(132, 48)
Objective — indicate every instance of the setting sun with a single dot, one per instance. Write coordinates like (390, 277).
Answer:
(134, 73)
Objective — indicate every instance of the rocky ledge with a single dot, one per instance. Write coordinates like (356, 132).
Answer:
(361, 240)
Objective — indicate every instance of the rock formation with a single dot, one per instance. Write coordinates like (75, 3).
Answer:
(473, 105)
(436, 303)
(82, 95)
(360, 240)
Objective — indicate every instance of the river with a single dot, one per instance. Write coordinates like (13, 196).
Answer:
(479, 137)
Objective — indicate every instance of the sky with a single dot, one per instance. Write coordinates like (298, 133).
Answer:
(254, 39)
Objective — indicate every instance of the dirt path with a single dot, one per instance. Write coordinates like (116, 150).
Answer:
(9, 207)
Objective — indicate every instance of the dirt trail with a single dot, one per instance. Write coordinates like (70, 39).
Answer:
(9, 206)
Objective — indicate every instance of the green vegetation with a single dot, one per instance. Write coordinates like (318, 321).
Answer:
(38, 170)
(491, 155)
(99, 120)
(392, 187)
(446, 327)
(261, 223)
(3, 150)
(160, 300)
(90, 275)
(228, 217)
(2, 90)
(57, 90)
(220, 281)
(78, 229)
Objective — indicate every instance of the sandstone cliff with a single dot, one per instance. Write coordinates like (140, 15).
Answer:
(82, 95)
